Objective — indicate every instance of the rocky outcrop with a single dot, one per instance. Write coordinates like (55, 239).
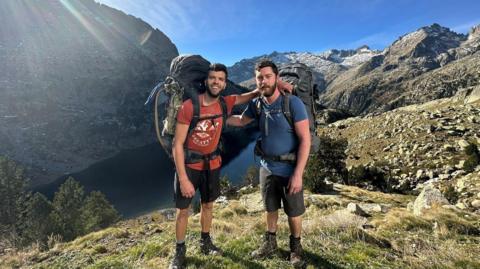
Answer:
(413, 146)
(427, 198)
(73, 80)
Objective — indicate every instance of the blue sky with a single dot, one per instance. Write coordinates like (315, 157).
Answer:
(227, 31)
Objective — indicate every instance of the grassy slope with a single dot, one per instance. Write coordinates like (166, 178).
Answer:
(396, 239)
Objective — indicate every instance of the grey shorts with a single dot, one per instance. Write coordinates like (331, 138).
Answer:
(275, 192)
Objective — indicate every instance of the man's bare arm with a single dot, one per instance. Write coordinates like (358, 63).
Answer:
(302, 131)
(246, 97)
(181, 131)
(238, 120)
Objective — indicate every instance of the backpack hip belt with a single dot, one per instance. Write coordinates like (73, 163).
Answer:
(196, 157)
(290, 157)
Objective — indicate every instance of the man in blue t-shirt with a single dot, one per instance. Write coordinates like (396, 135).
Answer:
(284, 150)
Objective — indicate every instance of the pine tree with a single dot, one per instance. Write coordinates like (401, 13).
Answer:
(67, 204)
(36, 221)
(97, 213)
(12, 190)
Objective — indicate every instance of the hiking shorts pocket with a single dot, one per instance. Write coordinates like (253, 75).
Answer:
(275, 193)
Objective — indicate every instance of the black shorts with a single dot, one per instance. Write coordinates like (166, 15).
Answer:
(275, 191)
(208, 182)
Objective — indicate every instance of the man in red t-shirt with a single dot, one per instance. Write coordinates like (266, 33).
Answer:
(202, 171)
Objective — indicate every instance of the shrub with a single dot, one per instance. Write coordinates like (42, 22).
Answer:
(471, 149)
(67, 204)
(251, 176)
(374, 176)
(97, 213)
(473, 158)
(450, 194)
(328, 163)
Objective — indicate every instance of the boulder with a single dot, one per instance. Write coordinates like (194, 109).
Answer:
(378, 208)
(253, 202)
(356, 209)
(473, 96)
(463, 143)
(343, 219)
(476, 203)
(428, 197)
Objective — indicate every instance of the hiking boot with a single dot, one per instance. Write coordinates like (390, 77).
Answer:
(178, 261)
(268, 247)
(296, 252)
(208, 248)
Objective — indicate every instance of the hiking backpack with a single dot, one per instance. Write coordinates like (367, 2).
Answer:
(301, 77)
(186, 80)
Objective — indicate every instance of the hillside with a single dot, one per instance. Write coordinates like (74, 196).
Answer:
(73, 79)
(390, 236)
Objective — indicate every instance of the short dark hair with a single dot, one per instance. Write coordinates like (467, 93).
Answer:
(264, 62)
(217, 67)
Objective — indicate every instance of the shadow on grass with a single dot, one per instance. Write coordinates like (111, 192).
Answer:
(244, 261)
(319, 262)
(312, 259)
(328, 192)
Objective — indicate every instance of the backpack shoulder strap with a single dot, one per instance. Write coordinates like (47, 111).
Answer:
(286, 109)
(258, 107)
(196, 113)
(223, 105)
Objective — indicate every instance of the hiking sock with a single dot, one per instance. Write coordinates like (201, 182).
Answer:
(295, 244)
(180, 243)
(205, 235)
(272, 233)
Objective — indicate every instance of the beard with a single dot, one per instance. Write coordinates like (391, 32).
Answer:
(211, 94)
(269, 90)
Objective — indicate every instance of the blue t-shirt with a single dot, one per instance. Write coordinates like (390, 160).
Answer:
(278, 137)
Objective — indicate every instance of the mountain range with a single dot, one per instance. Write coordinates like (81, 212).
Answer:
(429, 63)
(326, 66)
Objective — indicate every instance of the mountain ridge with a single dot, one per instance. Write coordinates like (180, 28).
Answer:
(433, 57)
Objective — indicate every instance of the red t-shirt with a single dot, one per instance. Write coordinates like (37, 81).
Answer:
(205, 136)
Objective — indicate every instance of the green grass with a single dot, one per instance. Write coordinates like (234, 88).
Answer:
(397, 239)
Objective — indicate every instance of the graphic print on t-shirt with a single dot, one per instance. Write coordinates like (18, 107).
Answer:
(203, 133)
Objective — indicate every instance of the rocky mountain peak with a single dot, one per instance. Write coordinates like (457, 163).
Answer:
(342, 56)
(421, 49)
(363, 49)
(474, 32)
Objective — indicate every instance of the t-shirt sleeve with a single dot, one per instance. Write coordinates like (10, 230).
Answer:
(230, 102)
(185, 112)
(250, 111)
(299, 111)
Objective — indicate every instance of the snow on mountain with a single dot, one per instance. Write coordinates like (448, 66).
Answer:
(326, 65)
